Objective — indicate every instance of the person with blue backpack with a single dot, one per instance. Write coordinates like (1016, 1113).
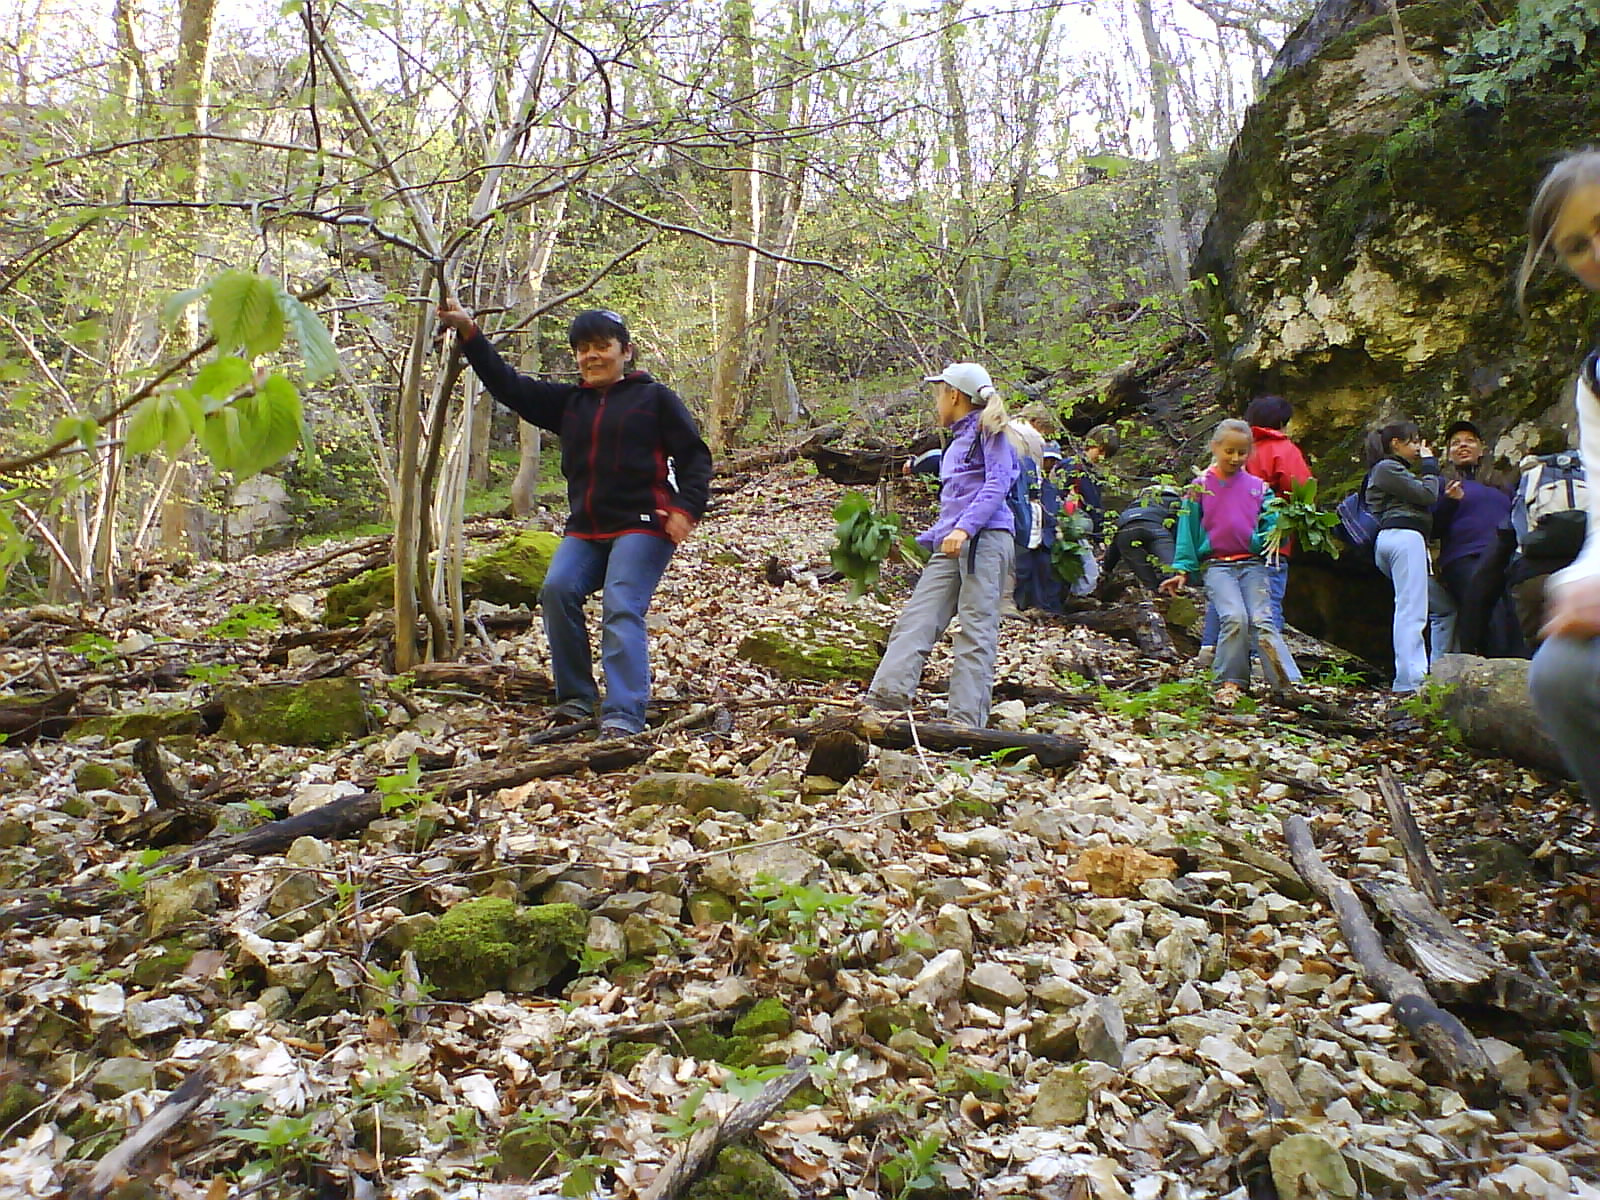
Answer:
(1400, 490)
(1564, 680)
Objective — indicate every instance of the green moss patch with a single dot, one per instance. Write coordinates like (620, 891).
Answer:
(321, 712)
(742, 1173)
(823, 649)
(511, 573)
(490, 944)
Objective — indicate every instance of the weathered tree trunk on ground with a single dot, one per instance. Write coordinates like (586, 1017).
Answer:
(1456, 969)
(1439, 1033)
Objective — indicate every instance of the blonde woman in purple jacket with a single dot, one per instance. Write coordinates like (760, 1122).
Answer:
(973, 552)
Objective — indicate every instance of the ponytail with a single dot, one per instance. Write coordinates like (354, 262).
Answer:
(994, 418)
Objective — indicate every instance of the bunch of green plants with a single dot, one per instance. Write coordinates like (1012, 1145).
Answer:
(864, 540)
(1300, 521)
(243, 620)
(800, 913)
(1074, 535)
(1539, 35)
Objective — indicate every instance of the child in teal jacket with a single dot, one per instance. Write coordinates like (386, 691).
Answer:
(1224, 529)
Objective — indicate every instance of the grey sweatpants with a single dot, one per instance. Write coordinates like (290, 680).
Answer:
(1564, 682)
(968, 586)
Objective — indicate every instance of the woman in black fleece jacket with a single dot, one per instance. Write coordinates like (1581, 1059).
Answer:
(638, 476)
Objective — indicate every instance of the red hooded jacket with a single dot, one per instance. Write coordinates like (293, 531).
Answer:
(1277, 460)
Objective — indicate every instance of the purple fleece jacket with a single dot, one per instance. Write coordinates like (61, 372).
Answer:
(1468, 526)
(976, 473)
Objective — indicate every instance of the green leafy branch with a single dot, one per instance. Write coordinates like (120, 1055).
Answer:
(865, 540)
(1302, 522)
(244, 414)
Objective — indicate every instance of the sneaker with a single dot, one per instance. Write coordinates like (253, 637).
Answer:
(886, 704)
(1202, 661)
(613, 730)
(1227, 694)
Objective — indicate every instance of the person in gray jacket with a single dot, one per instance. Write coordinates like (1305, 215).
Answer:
(1402, 488)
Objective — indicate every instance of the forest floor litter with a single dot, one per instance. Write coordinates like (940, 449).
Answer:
(1000, 980)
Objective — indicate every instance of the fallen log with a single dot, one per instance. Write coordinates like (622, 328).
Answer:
(695, 1159)
(1456, 969)
(1047, 748)
(28, 718)
(501, 681)
(1419, 863)
(759, 459)
(1439, 1033)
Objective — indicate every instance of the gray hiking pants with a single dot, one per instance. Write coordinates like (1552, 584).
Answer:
(969, 586)
(1564, 682)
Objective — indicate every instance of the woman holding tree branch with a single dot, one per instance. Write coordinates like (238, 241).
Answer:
(638, 476)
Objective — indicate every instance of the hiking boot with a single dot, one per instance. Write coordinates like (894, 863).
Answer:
(572, 712)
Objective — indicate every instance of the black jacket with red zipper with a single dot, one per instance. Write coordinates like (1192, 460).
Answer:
(623, 447)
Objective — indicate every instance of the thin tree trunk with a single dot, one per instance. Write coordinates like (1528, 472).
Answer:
(739, 263)
(1172, 247)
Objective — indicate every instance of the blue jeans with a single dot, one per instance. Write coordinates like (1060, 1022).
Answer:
(1241, 595)
(628, 568)
(1564, 682)
(1403, 556)
(1277, 586)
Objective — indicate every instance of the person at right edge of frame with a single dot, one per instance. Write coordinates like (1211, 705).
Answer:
(1564, 679)
(638, 479)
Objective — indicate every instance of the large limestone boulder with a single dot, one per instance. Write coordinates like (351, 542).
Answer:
(1487, 700)
(1365, 234)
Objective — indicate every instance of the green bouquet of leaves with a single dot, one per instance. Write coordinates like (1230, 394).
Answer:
(865, 540)
(1074, 535)
(1300, 521)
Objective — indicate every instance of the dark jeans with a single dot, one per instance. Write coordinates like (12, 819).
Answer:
(1038, 585)
(1148, 548)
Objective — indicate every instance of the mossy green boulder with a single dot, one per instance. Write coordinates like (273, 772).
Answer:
(491, 944)
(742, 1173)
(768, 1018)
(320, 712)
(511, 573)
(822, 649)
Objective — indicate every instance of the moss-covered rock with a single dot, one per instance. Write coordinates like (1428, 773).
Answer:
(320, 712)
(491, 944)
(742, 1173)
(18, 1102)
(511, 573)
(822, 649)
(95, 777)
(533, 1149)
(694, 793)
(156, 723)
(174, 900)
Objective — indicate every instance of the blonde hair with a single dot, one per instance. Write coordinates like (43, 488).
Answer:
(1230, 425)
(993, 416)
(1579, 167)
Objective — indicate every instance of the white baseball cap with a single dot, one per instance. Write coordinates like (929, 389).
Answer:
(969, 378)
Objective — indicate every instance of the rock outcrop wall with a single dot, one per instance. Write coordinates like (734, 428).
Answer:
(1366, 237)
